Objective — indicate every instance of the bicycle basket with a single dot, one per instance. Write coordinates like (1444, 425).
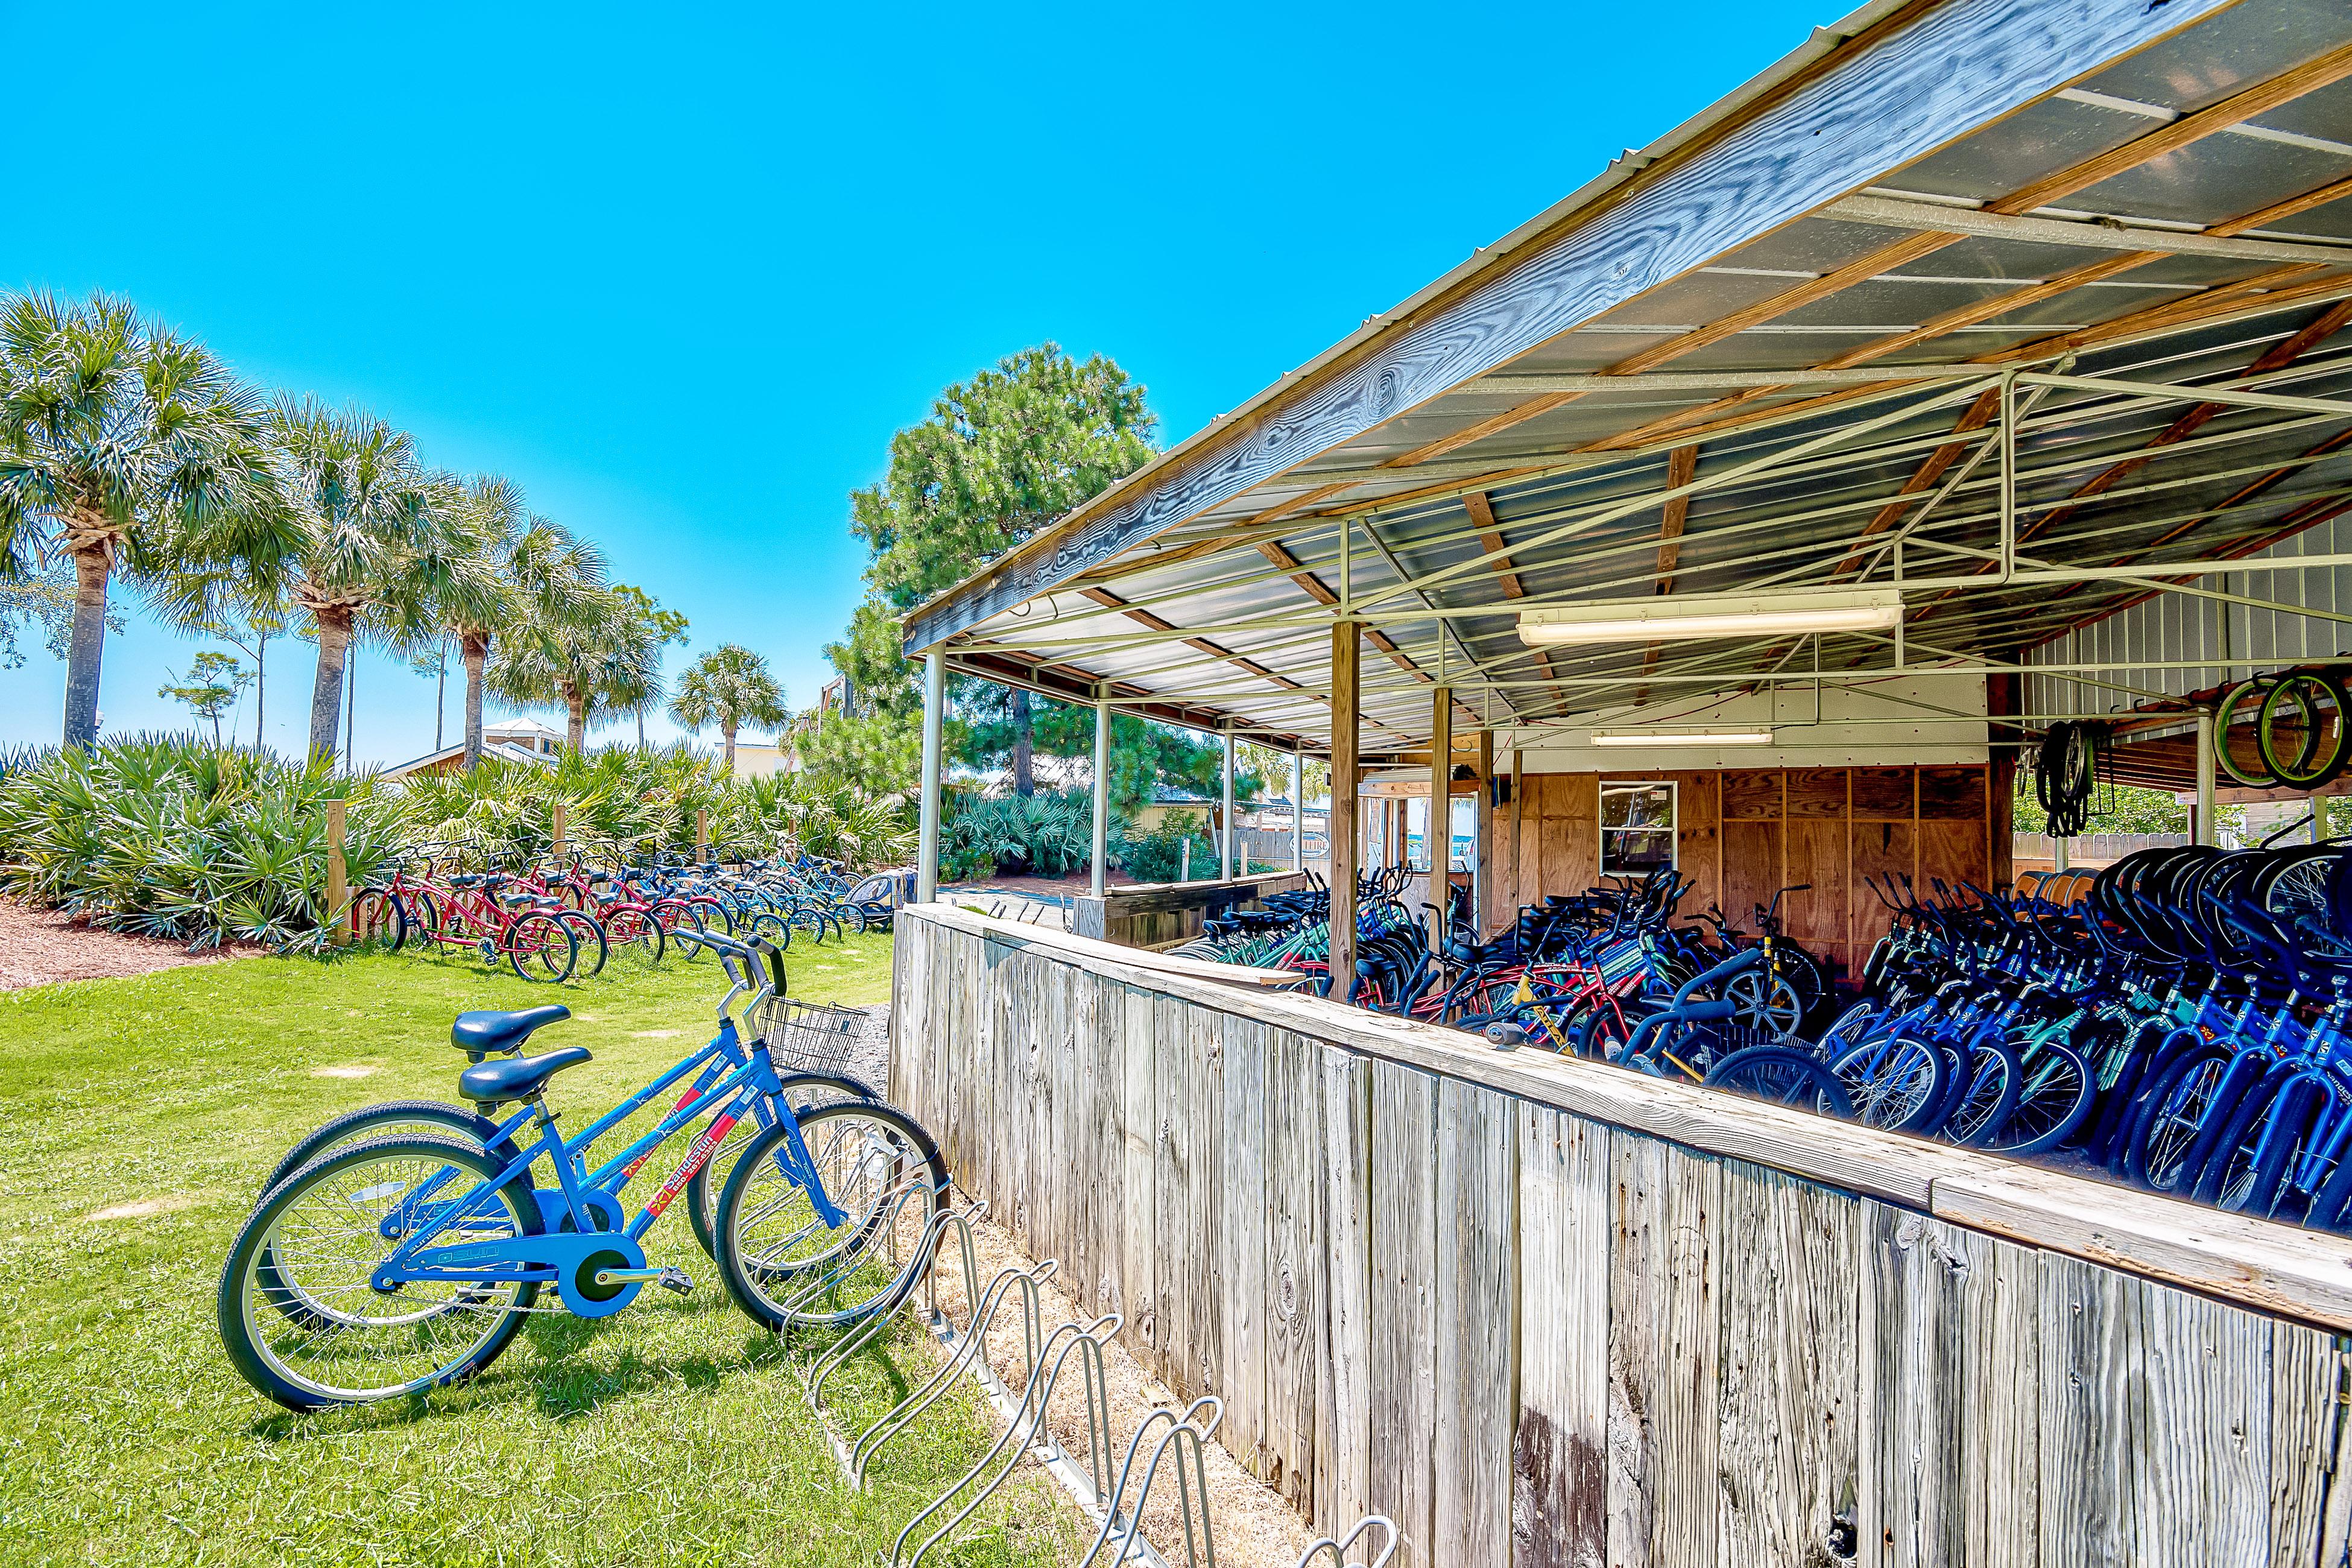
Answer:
(803, 1036)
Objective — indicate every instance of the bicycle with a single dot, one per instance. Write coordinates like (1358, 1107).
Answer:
(404, 1263)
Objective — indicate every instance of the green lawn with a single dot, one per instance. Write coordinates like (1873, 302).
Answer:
(139, 1117)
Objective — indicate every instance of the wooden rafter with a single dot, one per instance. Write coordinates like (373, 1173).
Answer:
(1320, 592)
(1682, 467)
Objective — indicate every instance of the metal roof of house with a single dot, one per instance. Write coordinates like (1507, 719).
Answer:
(1754, 356)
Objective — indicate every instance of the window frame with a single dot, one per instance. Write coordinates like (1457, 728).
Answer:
(1672, 830)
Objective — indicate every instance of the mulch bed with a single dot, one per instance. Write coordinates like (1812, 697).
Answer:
(41, 947)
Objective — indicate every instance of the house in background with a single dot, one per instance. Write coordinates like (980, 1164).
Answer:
(508, 739)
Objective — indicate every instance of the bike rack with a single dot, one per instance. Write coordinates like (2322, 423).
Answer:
(1026, 1434)
(1186, 1433)
(1335, 1553)
(927, 1251)
(967, 1352)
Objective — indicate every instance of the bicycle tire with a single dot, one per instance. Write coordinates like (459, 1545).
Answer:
(1783, 1075)
(528, 942)
(920, 1180)
(1909, 1079)
(2170, 1114)
(2318, 762)
(2055, 1092)
(243, 1290)
(1996, 1083)
(2225, 716)
(588, 935)
(379, 916)
(2231, 1163)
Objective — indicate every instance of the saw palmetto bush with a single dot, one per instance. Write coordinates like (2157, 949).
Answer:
(172, 836)
(1044, 834)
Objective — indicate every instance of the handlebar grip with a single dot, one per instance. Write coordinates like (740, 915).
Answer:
(775, 956)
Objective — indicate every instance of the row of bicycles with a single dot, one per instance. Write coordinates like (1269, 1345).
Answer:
(555, 917)
(402, 1246)
(2181, 1020)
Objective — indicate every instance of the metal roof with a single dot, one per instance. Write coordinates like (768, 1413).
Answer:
(1831, 282)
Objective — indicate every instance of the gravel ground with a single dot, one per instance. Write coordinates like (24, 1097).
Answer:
(41, 947)
(870, 1062)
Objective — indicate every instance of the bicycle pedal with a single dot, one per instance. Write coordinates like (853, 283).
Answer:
(676, 1279)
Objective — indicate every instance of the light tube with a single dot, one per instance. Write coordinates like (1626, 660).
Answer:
(1682, 738)
(1695, 617)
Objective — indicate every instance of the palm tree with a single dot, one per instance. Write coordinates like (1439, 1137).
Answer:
(381, 543)
(730, 687)
(133, 451)
(597, 656)
(515, 567)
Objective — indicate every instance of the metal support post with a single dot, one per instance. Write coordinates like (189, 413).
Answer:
(1438, 837)
(1299, 807)
(1102, 797)
(1225, 871)
(1342, 831)
(927, 869)
(2203, 827)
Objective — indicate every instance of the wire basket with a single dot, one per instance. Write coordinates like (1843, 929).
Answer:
(803, 1036)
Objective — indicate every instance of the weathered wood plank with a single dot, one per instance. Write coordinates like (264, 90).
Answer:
(1559, 1476)
(1296, 1299)
(1946, 1478)
(1665, 1339)
(1171, 1174)
(1789, 1290)
(1139, 1137)
(2301, 1273)
(1205, 1238)
(1404, 1325)
(2305, 1366)
(1476, 1199)
(1344, 1390)
(1241, 1239)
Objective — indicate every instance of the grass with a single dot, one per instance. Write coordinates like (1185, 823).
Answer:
(141, 1116)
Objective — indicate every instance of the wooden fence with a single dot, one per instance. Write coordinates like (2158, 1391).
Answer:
(1546, 1313)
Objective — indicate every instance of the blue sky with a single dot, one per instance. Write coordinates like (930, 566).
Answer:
(681, 273)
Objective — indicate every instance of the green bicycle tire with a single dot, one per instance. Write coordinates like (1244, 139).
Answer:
(2316, 764)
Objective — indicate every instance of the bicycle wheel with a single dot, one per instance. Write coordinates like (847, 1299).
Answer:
(851, 918)
(2156, 1155)
(810, 918)
(2246, 698)
(637, 939)
(299, 1313)
(2304, 730)
(716, 916)
(783, 1264)
(588, 932)
(1765, 1001)
(769, 926)
(2265, 1131)
(1784, 1075)
(1996, 1082)
(684, 922)
(541, 947)
(2055, 1090)
(389, 1119)
(1893, 1084)
(380, 919)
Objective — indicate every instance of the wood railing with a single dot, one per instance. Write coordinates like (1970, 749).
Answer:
(1544, 1311)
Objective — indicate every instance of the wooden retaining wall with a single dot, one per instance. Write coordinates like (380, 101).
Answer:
(1542, 1312)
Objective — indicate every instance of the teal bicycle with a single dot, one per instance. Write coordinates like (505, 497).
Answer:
(397, 1264)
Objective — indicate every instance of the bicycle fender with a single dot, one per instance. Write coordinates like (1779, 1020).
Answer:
(855, 1088)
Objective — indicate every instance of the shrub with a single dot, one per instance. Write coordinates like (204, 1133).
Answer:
(1158, 855)
(1048, 834)
(172, 836)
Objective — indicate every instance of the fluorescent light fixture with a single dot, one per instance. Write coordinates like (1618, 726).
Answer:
(1694, 617)
(1682, 737)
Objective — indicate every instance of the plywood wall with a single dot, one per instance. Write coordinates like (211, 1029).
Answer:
(1745, 833)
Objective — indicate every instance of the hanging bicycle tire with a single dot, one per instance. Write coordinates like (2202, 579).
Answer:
(2225, 716)
(2304, 731)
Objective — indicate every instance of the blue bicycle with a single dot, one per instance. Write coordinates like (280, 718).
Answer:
(397, 1264)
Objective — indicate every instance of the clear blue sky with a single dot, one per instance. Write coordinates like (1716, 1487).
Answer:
(682, 273)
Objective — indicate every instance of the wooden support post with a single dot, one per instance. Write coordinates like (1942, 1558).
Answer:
(1226, 862)
(701, 831)
(1481, 864)
(1438, 838)
(555, 831)
(339, 902)
(1344, 836)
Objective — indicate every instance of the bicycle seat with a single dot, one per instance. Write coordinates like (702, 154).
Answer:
(518, 1078)
(490, 1033)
